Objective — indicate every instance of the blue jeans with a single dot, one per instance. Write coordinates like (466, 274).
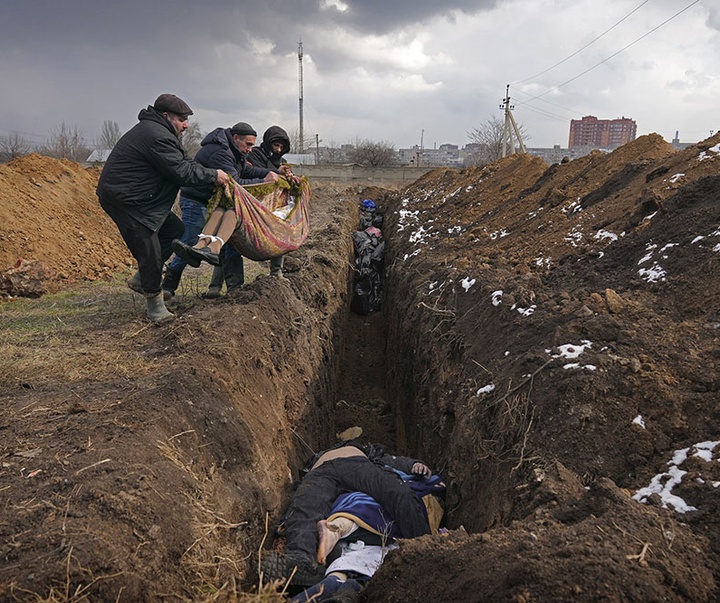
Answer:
(231, 269)
(193, 217)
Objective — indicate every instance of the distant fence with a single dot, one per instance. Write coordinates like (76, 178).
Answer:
(352, 174)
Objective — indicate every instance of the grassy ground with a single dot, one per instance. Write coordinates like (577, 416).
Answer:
(36, 333)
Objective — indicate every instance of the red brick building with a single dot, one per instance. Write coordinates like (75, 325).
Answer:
(601, 133)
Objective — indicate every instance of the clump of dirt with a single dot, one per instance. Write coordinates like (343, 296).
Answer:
(548, 342)
(50, 214)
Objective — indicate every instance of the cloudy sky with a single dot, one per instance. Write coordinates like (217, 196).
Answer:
(391, 70)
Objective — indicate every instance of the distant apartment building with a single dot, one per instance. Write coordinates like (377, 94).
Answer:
(601, 133)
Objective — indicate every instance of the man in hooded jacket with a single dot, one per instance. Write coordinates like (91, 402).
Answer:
(227, 149)
(138, 186)
(269, 154)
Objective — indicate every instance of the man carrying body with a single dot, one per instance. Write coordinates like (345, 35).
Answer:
(227, 149)
(138, 186)
(269, 154)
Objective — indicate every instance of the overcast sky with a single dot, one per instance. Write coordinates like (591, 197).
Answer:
(392, 70)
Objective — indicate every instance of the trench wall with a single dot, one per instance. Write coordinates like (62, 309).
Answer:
(426, 380)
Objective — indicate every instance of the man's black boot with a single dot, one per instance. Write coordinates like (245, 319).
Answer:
(170, 283)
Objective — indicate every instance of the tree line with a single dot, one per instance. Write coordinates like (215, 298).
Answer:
(68, 142)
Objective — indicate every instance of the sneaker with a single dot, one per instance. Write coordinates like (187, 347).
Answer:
(278, 274)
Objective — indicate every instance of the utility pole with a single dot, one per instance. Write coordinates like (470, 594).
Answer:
(317, 150)
(301, 143)
(420, 156)
(510, 127)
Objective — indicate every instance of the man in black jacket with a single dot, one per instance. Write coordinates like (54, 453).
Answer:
(269, 154)
(348, 467)
(227, 149)
(138, 186)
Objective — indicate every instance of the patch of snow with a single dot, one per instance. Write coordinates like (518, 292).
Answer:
(606, 234)
(656, 273)
(525, 311)
(571, 350)
(663, 483)
(710, 153)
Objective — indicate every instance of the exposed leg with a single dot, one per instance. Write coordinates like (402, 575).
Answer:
(211, 227)
(225, 229)
(329, 533)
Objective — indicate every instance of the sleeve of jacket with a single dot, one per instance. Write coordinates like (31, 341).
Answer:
(253, 173)
(170, 159)
(224, 161)
(377, 454)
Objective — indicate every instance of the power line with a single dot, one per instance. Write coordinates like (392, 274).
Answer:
(545, 101)
(546, 114)
(579, 50)
(624, 48)
(22, 133)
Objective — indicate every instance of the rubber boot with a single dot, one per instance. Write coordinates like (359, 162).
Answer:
(156, 310)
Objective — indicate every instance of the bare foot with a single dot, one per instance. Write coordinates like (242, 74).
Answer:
(328, 536)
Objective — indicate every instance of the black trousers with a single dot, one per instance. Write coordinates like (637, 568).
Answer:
(150, 248)
(319, 489)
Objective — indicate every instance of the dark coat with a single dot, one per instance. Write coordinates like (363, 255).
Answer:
(146, 168)
(217, 150)
(263, 156)
(375, 452)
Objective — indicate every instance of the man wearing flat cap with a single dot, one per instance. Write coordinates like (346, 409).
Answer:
(138, 186)
(225, 149)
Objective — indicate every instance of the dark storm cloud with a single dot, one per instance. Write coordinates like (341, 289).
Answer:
(94, 24)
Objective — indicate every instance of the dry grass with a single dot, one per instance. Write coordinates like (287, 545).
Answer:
(86, 330)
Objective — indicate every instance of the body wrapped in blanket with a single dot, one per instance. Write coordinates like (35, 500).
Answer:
(270, 225)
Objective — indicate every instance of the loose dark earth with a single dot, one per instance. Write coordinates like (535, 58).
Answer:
(548, 341)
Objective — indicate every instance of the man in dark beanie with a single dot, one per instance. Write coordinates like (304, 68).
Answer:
(269, 154)
(138, 186)
(225, 149)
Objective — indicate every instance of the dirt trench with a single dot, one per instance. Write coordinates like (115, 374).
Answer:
(148, 463)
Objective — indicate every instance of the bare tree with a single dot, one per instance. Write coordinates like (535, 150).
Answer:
(373, 154)
(489, 138)
(13, 146)
(332, 153)
(307, 146)
(192, 137)
(65, 143)
(109, 135)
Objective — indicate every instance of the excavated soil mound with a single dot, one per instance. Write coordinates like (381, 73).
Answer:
(548, 342)
(50, 215)
(558, 332)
